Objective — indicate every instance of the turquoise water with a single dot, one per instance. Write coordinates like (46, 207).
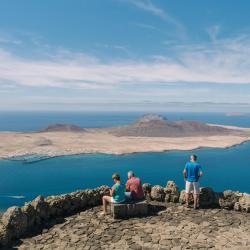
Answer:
(223, 168)
(32, 121)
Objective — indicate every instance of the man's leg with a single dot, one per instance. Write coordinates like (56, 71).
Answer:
(196, 195)
(196, 200)
(187, 190)
(187, 199)
(105, 200)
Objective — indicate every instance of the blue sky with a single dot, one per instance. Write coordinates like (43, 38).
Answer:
(125, 55)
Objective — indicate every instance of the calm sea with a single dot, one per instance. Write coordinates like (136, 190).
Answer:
(32, 121)
(20, 182)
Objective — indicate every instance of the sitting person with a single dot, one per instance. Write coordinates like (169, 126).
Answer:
(134, 189)
(117, 193)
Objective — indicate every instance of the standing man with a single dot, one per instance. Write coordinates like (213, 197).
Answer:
(192, 173)
(134, 189)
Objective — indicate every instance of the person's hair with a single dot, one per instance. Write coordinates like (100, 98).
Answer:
(116, 176)
(194, 157)
(131, 173)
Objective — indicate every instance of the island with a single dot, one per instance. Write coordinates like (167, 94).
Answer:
(150, 133)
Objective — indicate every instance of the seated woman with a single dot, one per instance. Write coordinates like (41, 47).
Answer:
(117, 193)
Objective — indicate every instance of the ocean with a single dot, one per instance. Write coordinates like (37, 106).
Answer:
(20, 181)
(33, 121)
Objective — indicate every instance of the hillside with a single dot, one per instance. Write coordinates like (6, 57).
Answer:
(157, 126)
(63, 128)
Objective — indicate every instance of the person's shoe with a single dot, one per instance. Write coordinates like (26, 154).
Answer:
(187, 206)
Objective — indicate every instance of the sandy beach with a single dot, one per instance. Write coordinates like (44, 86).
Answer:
(53, 144)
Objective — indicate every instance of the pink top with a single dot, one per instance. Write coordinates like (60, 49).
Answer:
(134, 186)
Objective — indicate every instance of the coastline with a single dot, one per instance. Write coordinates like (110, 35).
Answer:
(116, 154)
(58, 144)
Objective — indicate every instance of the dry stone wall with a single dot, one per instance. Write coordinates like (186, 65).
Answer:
(17, 222)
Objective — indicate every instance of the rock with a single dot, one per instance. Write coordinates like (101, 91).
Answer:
(157, 193)
(30, 212)
(207, 197)
(41, 208)
(182, 198)
(15, 221)
(171, 192)
(228, 199)
(146, 188)
(243, 204)
(4, 236)
(58, 205)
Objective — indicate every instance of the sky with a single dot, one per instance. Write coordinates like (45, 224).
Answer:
(125, 55)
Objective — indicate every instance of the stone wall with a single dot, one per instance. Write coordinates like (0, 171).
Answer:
(18, 222)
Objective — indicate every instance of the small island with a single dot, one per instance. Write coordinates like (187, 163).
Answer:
(150, 133)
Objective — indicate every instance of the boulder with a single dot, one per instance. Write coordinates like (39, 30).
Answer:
(146, 188)
(15, 221)
(243, 204)
(157, 193)
(147, 191)
(228, 199)
(41, 208)
(58, 205)
(207, 197)
(4, 236)
(171, 192)
(182, 198)
(30, 212)
(94, 196)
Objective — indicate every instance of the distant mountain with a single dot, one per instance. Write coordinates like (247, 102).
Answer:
(63, 128)
(157, 126)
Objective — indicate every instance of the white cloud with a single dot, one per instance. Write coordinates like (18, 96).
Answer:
(226, 61)
(148, 6)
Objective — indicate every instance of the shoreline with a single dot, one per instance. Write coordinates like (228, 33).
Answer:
(94, 141)
(48, 157)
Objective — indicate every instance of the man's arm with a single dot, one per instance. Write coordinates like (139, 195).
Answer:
(185, 174)
(200, 172)
(112, 191)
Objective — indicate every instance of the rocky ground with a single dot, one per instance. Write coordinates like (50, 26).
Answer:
(173, 228)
